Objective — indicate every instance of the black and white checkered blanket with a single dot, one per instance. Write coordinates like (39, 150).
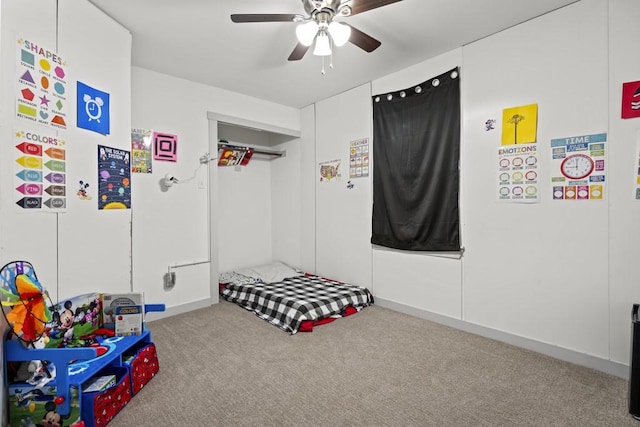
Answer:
(288, 303)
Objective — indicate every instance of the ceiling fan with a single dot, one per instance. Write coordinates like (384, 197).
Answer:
(318, 24)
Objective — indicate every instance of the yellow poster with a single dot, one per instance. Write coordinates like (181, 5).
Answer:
(519, 124)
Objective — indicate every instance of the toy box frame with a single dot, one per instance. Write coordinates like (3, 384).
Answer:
(76, 365)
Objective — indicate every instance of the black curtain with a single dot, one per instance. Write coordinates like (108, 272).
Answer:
(416, 152)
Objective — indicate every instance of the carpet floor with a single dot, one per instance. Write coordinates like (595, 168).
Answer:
(223, 366)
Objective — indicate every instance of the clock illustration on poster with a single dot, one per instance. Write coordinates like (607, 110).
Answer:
(577, 166)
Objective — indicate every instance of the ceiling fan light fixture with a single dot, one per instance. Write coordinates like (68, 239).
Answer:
(307, 32)
(323, 47)
(345, 10)
(339, 32)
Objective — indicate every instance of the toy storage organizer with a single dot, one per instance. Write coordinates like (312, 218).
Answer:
(132, 359)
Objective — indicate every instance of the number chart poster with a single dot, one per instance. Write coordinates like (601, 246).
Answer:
(518, 173)
(359, 158)
(578, 167)
(40, 172)
(114, 178)
(41, 85)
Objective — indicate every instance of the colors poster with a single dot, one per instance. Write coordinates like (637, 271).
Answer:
(41, 93)
(40, 179)
(114, 178)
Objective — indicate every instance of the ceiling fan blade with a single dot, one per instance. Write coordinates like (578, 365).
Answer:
(265, 17)
(359, 6)
(298, 52)
(362, 40)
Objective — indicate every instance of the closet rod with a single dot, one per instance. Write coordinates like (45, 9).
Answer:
(256, 150)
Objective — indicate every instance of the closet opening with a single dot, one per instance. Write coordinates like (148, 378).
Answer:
(261, 138)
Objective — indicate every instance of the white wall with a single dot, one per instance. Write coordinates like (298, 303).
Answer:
(624, 227)
(308, 176)
(244, 226)
(43, 229)
(343, 215)
(287, 204)
(83, 249)
(172, 227)
(418, 279)
(530, 268)
(68, 248)
(94, 246)
(558, 277)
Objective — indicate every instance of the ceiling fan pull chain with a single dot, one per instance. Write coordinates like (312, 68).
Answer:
(331, 54)
(322, 71)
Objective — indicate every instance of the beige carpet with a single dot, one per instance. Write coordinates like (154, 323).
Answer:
(223, 366)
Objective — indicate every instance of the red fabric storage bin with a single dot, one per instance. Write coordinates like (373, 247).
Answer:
(143, 366)
(98, 408)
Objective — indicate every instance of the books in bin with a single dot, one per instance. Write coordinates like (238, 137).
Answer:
(99, 383)
(124, 313)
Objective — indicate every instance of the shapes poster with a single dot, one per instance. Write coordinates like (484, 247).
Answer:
(41, 95)
(578, 167)
(520, 124)
(92, 109)
(114, 178)
(330, 171)
(518, 174)
(40, 171)
(141, 151)
(630, 100)
(359, 158)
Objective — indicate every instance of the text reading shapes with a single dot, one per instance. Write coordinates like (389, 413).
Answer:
(165, 147)
(42, 86)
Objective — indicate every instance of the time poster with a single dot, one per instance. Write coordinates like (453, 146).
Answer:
(578, 167)
(518, 174)
(114, 178)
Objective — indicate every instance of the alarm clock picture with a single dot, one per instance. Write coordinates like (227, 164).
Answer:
(577, 166)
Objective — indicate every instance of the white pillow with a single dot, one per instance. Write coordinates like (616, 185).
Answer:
(231, 277)
(270, 273)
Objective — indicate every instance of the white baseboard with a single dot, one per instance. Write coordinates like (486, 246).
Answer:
(599, 364)
(177, 309)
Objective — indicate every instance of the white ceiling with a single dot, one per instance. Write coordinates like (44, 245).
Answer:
(196, 40)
